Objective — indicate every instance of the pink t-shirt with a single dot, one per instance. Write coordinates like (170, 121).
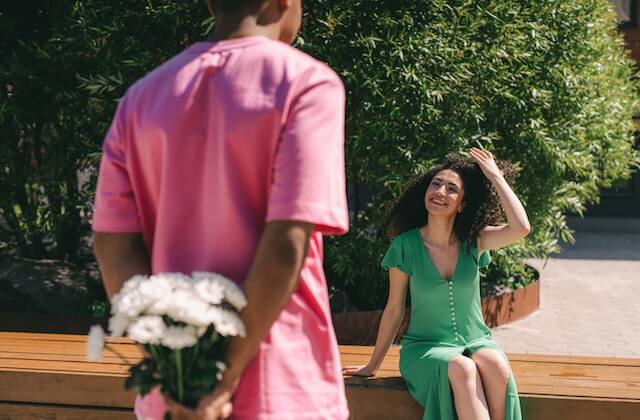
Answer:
(205, 150)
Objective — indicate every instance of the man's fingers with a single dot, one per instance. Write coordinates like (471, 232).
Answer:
(227, 409)
(178, 411)
(169, 402)
(215, 411)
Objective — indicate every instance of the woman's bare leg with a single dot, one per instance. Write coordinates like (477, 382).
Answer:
(495, 373)
(468, 393)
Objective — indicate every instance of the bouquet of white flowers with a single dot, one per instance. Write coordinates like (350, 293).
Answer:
(184, 323)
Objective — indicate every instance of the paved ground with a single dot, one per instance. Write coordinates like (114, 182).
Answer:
(590, 300)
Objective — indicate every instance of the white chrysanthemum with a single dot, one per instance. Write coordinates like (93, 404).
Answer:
(177, 338)
(133, 298)
(130, 304)
(226, 323)
(221, 368)
(160, 306)
(175, 280)
(185, 306)
(147, 329)
(132, 283)
(209, 290)
(95, 343)
(156, 287)
(201, 330)
(118, 324)
(232, 293)
(141, 293)
(235, 297)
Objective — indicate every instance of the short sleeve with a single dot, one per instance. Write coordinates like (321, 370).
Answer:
(484, 260)
(115, 207)
(308, 182)
(398, 256)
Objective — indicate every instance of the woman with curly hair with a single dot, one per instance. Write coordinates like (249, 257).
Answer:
(443, 225)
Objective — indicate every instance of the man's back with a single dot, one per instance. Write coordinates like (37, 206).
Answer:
(202, 153)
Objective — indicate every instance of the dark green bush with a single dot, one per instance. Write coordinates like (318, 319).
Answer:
(544, 84)
(68, 62)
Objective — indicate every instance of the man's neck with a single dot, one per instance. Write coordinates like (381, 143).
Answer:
(229, 28)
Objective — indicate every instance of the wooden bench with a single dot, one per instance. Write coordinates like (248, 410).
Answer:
(550, 387)
(47, 376)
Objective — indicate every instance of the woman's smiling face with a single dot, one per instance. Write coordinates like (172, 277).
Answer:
(444, 194)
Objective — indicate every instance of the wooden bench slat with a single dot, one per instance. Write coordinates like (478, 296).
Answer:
(75, 348)
(49, 371)
(54, 366)
(47, 337)
(566, 390)
(546, 375)
(558, 371)
(65, 388)
(569, 360)
(106, 358)
(394, 351)
(10, 411)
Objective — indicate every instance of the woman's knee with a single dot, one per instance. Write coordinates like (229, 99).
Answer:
(491, 362)
(462, 370)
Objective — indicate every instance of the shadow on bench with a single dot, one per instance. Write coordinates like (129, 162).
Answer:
(47, 376)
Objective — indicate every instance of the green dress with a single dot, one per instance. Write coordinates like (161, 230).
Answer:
(446, 321)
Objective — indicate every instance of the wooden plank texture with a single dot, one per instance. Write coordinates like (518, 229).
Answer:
(570, 376)
(10, 411)
(47, 376)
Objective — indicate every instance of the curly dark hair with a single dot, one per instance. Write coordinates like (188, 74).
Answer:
(481, 202)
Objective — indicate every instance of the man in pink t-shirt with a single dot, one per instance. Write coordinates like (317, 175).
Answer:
(229, 158)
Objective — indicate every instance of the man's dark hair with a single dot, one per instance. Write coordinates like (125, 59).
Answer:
(230, 7)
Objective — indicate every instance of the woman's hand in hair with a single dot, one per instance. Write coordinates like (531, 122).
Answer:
(487, 163)
(517, 227)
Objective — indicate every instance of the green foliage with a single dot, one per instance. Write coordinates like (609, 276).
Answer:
(68, 62)
(545, 85)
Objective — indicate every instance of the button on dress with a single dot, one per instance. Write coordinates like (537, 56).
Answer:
(446, 321)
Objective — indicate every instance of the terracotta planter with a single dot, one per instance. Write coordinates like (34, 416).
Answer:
(361, 328)
(512, 306)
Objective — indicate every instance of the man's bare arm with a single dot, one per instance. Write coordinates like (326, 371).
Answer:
(120, 257)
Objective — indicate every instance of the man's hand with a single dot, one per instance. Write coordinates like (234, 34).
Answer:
(179, 411)
(216, 405)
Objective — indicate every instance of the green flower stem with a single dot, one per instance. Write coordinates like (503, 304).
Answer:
(180, 384)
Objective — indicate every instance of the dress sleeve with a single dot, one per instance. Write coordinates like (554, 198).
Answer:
(398, 256)
(484, 260)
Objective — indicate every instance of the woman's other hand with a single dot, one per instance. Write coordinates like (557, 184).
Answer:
(365, 371)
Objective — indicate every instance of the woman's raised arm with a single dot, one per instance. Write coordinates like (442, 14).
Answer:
(517, 227)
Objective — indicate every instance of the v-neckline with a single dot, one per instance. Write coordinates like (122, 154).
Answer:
(433, 265)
